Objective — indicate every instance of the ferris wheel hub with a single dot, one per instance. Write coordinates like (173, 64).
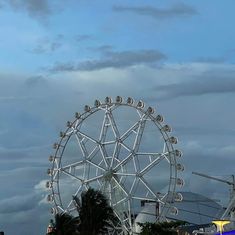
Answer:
(109, 174)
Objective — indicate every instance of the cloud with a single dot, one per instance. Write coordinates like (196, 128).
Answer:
(45, 45)
(177, 10)
(216, 81)
(209, 160)
(12, 98)
(37, 9)
(227, 56)
(203, 123)
(218, 59)
(18, 203)
(45, 48)
(207, 131)
(23, 210)
(112, 60)
(36, 80)
(83, 37)
(102, 49)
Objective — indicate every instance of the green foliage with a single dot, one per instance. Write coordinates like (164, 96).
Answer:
(95, 214)
(65, 224)
(163, 228)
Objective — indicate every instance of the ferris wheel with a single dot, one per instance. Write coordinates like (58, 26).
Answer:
(123, 149)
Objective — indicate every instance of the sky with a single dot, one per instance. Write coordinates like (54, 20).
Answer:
(57, 56)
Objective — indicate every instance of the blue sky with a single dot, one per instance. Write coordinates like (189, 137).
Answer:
(57, 56)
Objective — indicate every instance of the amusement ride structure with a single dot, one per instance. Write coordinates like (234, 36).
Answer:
(123, 149)
(227, 218)
(230, 209)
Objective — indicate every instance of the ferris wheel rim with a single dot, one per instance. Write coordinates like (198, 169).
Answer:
(110, 106)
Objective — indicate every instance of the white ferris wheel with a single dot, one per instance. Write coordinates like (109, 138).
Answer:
(123, 149)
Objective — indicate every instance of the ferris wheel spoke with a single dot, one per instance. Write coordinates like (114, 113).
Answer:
(130, 131)
(81, 145)
(104, 127)
(166, 153)
(97, 166)
(116, 152)
(89, 157)
(110, 194)
(126, 147)
(149, 189)
(139, 113)
(69, 132)
(120, 164)
(143, 198)
(86, 186)
(71, 175)
(152, 164)
(129, 214)
(73, 165)
(120, 186)
(139, 134)
(113, 125)
(69, 205)
(149, 154)
(118, 216)
(120, 201)
(78, 190)
(136, 144)
(98, 181)
(124, 174)
(109, 142)
(135, 163)
(93, 153)
(93, 179)
(104, 154)
(132, 186)
(87, 137)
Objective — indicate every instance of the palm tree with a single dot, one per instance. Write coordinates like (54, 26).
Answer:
(65, 224)
(95, 214)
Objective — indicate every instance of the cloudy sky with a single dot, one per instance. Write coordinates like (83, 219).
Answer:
(57, 56)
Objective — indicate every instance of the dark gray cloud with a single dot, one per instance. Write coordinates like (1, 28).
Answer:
(104, 48)
(177, 10)
(199, 157)
(206, 131)
(211, 59)
(35, 8)
(46, 45)
(210, 82)
(46, 48)
(55, 45)
(225, 57)
(24, 209)
(18, 203)
(113, 60)
(83, 37)
(36, 80)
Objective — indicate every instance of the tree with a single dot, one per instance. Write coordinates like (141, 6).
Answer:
(95, 214)
(65, 224)
(163, 228)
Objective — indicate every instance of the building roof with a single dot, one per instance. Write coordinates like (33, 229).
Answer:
(195, 209)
